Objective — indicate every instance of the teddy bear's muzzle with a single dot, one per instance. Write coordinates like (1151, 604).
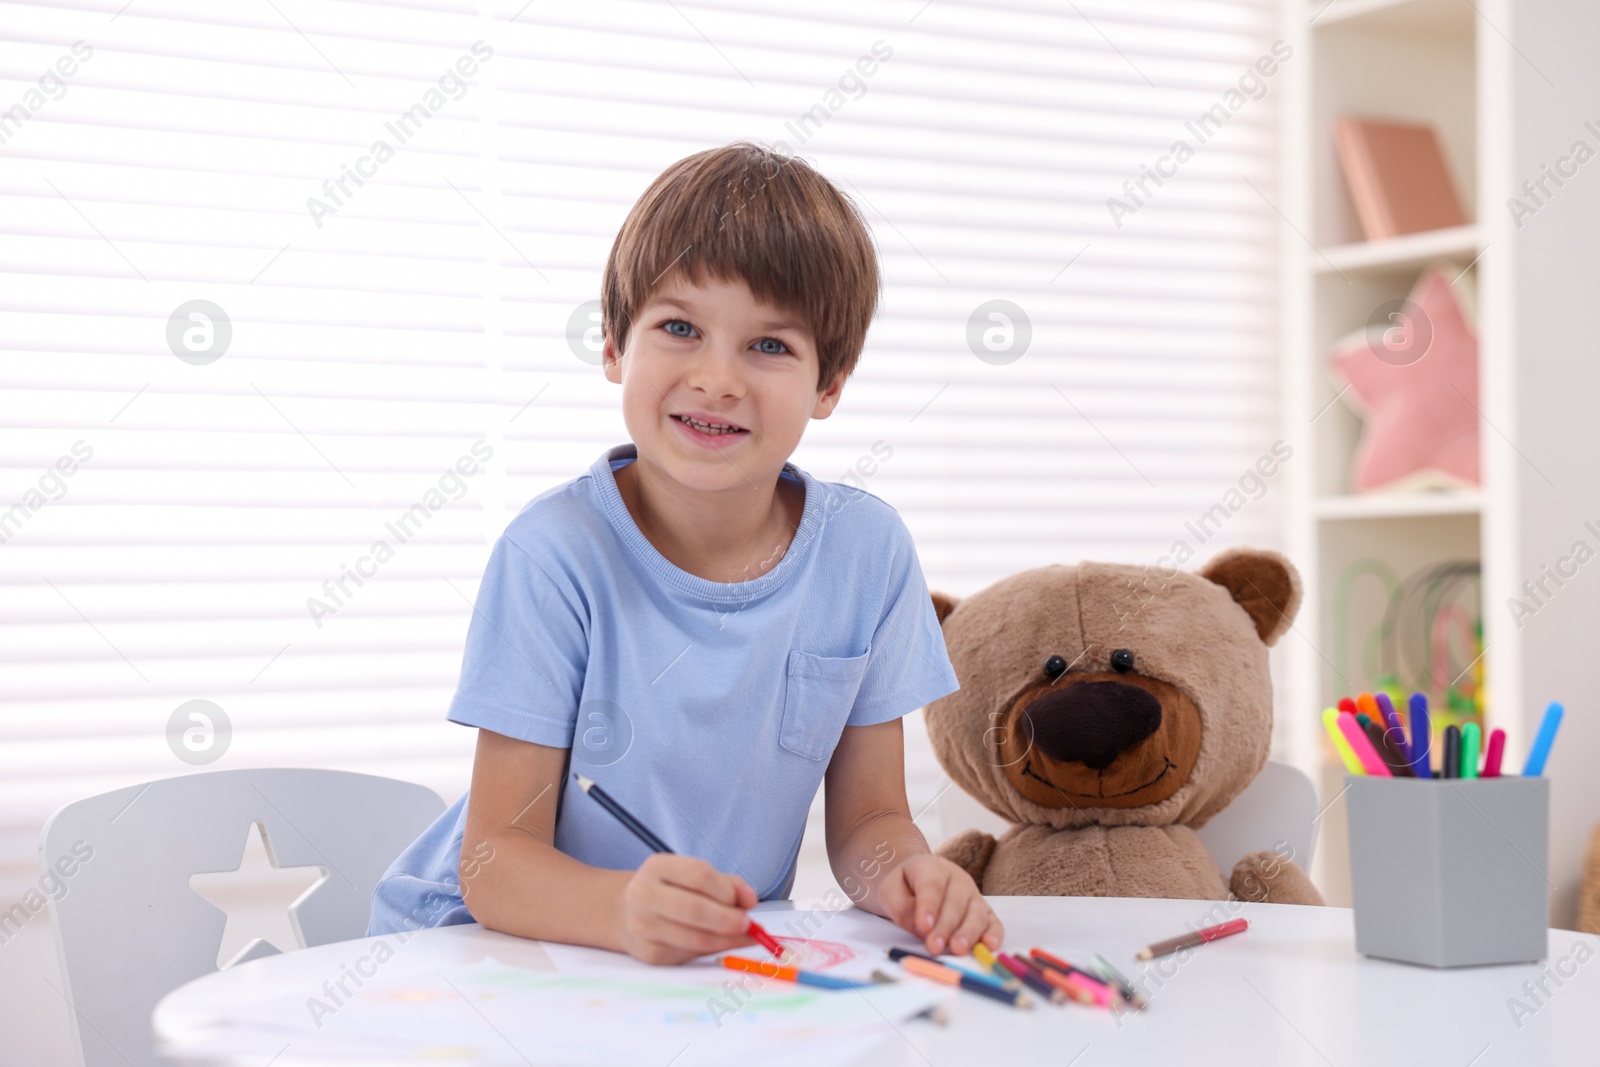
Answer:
(1092, 722)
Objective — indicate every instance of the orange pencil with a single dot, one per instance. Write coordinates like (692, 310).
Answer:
(957, 977)
(1064, 982)
(1073, 981)
(790, 974)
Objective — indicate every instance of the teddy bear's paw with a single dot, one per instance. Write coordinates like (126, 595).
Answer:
(970, 850)
(1267, 878)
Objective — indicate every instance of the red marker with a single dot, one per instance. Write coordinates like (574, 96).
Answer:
(1347, 705)
(1496, 752)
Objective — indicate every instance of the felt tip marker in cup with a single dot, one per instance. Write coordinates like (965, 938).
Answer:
(1469, 749)
(1371, 762)
(1496, 752)
(1341, 744)
(1391, 739)
(655, 844)
(1452, 752)
(1391, 757)
(1419, 750)
(1540, 752)
(1391, 718)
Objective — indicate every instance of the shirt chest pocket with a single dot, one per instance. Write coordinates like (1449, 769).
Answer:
(817, 697)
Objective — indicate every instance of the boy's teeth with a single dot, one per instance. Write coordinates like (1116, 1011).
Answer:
(708, 427)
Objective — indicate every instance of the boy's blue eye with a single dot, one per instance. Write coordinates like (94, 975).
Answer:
(779, 350)
(672, 328)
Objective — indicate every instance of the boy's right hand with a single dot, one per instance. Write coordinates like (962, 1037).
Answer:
(675, 908)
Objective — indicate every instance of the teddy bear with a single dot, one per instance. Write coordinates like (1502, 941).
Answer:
(1109, 711)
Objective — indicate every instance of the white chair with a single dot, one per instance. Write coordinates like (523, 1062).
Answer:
(1279, 806)
(129, 928)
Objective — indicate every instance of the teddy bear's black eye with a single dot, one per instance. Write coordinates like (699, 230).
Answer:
(1122, 661)
(1055, 666)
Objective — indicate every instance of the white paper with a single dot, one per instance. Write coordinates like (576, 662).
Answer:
(600, 1007)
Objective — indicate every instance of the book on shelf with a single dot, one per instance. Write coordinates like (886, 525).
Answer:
(1397, 176)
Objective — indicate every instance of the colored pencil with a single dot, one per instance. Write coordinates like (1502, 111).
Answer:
(999, 982)
(790, 974)
(1118, 979)
(1077, 983)
(621, 814)
(655, 844)
(1042, 958)
(926, 968)
(1190, 940)
(1087, 990)
(987, 958)
(1031, 978)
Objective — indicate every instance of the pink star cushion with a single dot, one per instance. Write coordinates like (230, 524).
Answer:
(1415, 383)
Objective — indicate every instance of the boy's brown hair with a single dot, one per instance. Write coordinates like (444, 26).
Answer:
(745, 212)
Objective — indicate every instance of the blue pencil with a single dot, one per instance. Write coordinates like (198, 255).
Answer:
(998, 982)
(621, 814)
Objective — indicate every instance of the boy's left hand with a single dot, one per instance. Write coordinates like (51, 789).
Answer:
(938, 901)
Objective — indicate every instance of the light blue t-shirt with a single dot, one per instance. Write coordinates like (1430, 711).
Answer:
(709, 709)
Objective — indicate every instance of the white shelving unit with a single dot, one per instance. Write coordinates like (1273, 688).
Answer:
(1508, 85)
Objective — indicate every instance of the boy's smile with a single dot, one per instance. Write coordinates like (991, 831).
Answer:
(717, 389)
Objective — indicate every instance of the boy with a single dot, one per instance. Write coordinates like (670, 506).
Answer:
(697, 625)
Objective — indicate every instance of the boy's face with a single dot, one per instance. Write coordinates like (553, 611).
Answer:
(714, 352)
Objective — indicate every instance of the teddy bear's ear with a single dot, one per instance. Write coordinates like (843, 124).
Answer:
(943, 605)
(1263, 583)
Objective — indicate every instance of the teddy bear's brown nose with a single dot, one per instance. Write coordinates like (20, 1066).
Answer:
(1091, 722)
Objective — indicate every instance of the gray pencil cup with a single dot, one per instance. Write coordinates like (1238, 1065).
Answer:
(1451, 872)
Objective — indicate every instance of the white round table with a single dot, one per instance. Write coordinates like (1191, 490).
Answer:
(1290, 990)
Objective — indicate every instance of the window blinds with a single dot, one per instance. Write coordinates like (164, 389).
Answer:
(290, 281)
